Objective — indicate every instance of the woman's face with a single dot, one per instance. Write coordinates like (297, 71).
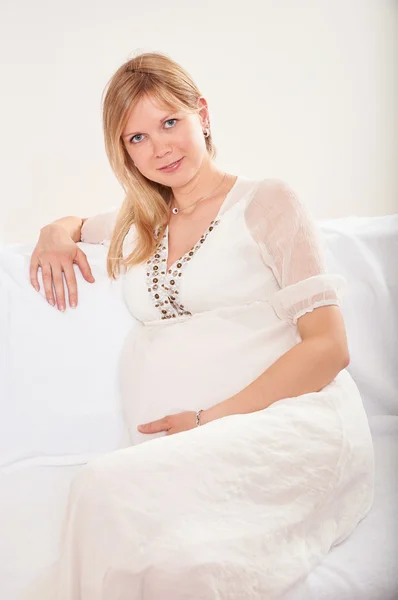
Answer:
(155, 137)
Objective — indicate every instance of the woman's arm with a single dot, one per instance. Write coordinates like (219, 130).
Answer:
(307, 367)
(72, 225)
(96, 229)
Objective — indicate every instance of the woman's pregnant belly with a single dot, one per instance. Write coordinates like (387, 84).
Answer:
(170, 367)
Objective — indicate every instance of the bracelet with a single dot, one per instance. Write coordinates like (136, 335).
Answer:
(198, 417)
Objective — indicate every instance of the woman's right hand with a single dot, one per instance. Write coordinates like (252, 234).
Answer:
(55, 253)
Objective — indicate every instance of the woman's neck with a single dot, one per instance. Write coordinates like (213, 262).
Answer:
(203, 183)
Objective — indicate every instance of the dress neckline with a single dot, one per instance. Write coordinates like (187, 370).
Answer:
(221, 211)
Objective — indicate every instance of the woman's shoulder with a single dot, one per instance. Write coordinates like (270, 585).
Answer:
(264, 185)
(267, 193)
(272, 185)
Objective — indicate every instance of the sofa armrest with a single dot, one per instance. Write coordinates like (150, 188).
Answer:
(59, 394)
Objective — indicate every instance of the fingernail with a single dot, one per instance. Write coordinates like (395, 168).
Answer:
(61, 307)
(51, 302)
(73, 304)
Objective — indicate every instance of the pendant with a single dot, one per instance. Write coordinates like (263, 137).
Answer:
(175, 211)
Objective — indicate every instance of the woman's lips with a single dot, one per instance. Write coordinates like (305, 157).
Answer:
(174, 166)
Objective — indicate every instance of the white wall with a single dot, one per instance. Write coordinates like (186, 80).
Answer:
(302, 90)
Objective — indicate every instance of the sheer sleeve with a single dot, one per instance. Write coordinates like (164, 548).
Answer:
(98, 228)
(292, 247)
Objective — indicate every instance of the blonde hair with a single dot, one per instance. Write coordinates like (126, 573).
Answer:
(146, 203)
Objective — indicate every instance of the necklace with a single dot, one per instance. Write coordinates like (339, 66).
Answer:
(176, 210)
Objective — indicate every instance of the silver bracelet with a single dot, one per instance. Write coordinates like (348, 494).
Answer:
(198, 417)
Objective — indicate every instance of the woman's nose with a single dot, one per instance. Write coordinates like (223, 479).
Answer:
(161, 149)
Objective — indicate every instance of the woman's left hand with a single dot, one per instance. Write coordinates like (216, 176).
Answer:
(172, 423)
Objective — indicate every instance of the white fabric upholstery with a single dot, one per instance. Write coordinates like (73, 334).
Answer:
(58, 371)
(364, 251)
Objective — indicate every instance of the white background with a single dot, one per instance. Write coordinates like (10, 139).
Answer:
(302, 90)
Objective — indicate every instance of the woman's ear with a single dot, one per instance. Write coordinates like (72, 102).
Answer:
(204, 112)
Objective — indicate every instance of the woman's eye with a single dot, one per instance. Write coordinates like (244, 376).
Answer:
(133, 140)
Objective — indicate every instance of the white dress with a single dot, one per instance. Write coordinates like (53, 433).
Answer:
(244, 507)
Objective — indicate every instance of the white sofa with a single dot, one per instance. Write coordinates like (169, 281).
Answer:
(59, 404)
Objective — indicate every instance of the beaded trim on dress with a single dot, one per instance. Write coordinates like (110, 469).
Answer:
(164, 287)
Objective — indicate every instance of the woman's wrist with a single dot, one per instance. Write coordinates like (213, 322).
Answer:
(203, 417)
(198, 414)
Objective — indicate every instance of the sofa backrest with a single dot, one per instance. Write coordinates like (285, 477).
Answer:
(365, 251)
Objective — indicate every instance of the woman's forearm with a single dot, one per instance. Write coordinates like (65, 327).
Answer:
(72, 225)
(307, 367)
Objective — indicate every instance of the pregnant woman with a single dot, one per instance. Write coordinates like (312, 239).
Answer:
(250, 454)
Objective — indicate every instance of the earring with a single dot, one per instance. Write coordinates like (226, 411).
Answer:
(206, 132)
